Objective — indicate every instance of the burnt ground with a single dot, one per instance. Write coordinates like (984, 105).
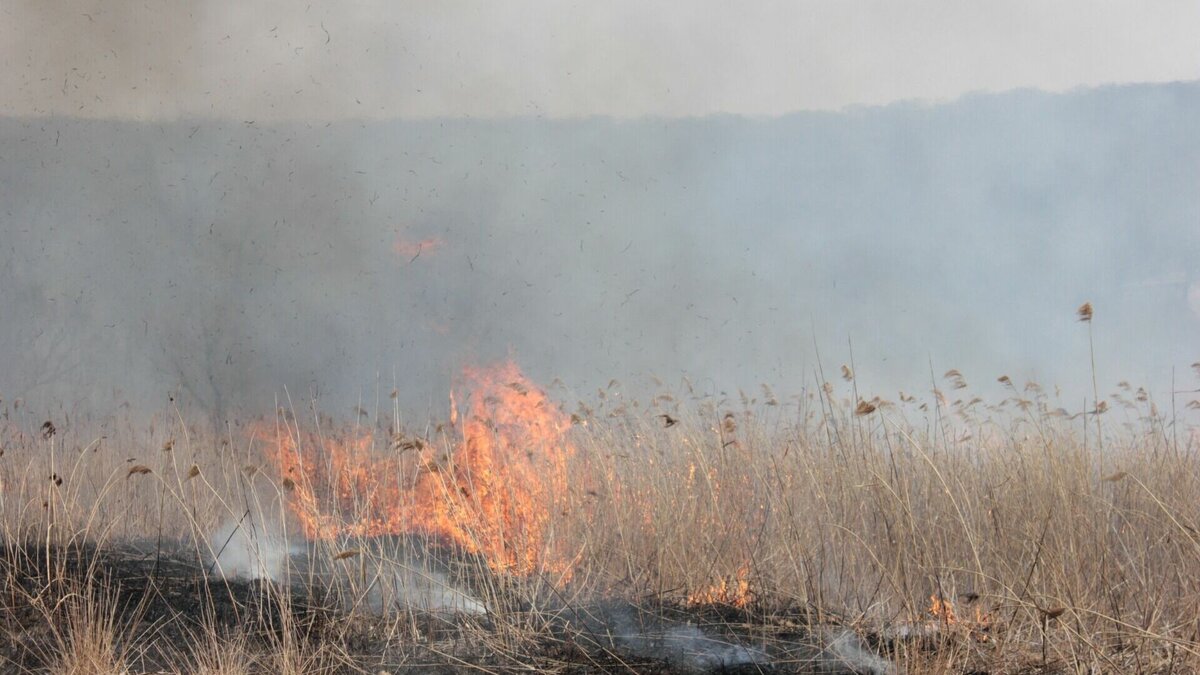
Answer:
(164, 602)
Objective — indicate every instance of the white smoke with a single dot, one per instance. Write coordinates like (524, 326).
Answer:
(682, 645)
(383, 577)
(242, 551)
(844, 652)
(399, 585)
(693, 649)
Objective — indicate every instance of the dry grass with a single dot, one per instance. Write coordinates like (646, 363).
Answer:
(1035, 547)
(92, 639)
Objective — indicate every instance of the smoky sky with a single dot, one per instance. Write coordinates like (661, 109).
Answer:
(227, 261)
(382, 59)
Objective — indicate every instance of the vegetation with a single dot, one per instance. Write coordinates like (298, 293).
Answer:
(680, 532)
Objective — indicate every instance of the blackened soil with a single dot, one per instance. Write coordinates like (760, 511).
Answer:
(165, 601)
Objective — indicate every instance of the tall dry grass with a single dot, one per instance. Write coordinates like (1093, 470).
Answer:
(1051, 547)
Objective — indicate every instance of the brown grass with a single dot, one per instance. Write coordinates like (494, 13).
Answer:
(830, 509)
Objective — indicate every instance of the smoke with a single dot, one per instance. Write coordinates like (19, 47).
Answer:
(689, 647)
(394, 572)
(388, 573)
(324, 60)
(686, 646)
(246, 553)
(844, 652)
(414, 585)
(235, 264)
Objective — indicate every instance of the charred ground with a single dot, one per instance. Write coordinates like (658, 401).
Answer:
(163, 599)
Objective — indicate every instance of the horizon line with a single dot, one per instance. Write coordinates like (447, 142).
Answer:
(847, 110)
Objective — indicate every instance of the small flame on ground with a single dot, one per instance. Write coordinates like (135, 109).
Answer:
(975, 626)
(493, 494)
(733, 590)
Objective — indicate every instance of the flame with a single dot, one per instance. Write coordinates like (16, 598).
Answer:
(975, 626)
(942, 610)
(508, 475)
(733, 590)
(409, 249)
(493, 494)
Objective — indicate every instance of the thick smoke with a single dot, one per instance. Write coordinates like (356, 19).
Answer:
(225, 262)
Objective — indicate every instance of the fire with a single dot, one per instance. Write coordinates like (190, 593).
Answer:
(733, 590)
(975, 626)
(409, 250)
(493, 493)
(942, 610)
(508, 475)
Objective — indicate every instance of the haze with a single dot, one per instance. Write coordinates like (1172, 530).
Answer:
(328, 60)
(240, 199)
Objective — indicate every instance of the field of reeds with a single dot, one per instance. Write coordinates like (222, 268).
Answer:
(529, 531)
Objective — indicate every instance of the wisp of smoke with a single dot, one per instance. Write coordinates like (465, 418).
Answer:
(243, 552)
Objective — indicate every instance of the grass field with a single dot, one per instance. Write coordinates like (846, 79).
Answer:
(529, 531)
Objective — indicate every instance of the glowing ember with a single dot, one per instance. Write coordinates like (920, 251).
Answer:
(494, 493)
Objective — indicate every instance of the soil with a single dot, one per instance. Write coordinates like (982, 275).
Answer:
(165, 601)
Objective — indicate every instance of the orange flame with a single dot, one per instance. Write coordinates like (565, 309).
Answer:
(409, 250)
(733, 590)
(975, 626)
(942, 610)
(494, 494)
(509, 474)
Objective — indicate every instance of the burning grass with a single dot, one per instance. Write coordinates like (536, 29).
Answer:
(676, 533)
(491, 487)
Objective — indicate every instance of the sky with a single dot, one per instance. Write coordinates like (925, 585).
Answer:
(382, 59)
